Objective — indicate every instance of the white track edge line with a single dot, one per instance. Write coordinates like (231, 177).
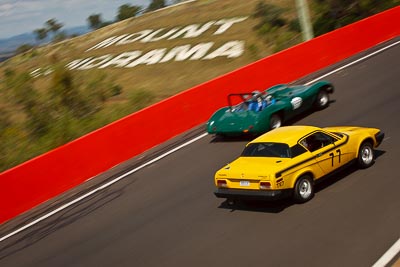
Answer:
(352, 63)
(389, 255)
(160, 157)
(101, 187)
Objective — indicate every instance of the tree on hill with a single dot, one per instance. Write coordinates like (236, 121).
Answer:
(95, 21)
(50, 26)
(274, 28)
(40, 34)
(28, 98)
(60, 36)
(156, 4)
(53, 26)
(23, 48)
(269, 14)
(127, 11)
(334, 14)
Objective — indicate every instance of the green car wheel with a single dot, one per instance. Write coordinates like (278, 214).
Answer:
(275, 121)
(322, 100)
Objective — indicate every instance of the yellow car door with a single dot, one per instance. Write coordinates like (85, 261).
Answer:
(328, 158)
(326, 149)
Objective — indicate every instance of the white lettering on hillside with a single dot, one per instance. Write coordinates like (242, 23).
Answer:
(230, 50)
(122, 60)
(132, 59)
(152, 36)
(128, 38)
(107, 42)
(95, 62)
(76, 63)
(149, 58)
(183, 52)
(225, 24)
(190, 31)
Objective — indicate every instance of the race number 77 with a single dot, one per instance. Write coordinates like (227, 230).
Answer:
(332, 155)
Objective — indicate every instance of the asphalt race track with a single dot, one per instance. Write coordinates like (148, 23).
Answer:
(166, 214)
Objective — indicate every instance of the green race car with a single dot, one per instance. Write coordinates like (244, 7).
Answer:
(259, 112)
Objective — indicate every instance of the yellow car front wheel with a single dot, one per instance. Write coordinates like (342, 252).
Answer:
(365, 155)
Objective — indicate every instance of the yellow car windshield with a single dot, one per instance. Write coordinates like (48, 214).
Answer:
(276, 150)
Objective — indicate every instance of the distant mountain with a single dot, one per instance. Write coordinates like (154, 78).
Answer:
(9, 45)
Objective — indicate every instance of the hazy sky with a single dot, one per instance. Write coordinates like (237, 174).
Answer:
(22, 16)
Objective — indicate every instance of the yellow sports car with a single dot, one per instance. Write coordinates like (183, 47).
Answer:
(287, 161)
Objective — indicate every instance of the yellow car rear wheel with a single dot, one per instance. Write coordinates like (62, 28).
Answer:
(303, 189)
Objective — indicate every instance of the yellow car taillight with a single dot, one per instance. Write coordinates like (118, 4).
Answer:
(222, 183)
(265, 185)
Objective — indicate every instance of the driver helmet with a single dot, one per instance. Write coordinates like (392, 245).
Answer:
(255, 95)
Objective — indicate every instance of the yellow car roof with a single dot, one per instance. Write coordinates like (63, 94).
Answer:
(288, 134)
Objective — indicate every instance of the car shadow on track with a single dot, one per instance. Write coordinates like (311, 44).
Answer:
(275, 206)
(228, 139)
(278, 206)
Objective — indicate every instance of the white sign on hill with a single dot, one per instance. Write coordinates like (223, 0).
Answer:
(131, 59)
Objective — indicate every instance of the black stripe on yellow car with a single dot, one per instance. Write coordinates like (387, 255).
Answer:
(279, 174)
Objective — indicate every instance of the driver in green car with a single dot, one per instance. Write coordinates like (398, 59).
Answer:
(259, 102)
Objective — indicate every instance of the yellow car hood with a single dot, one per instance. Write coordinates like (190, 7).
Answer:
(253, 168)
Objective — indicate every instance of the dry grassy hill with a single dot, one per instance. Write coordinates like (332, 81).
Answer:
(170, 77)
(146, 59)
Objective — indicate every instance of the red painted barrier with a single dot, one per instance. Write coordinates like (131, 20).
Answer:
(46, 176)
